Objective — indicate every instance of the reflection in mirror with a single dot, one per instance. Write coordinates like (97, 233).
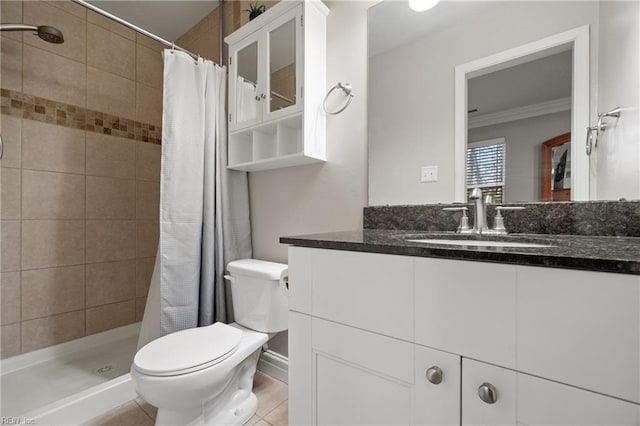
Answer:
(486, 164)
(555, 169)
(246, 102)
(282, 63)
(412, 97)
(530, 84)
(524, 105)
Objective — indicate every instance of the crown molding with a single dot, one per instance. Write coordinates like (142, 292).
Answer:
(520, 113)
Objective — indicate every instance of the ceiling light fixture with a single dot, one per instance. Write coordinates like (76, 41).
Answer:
(422, 5)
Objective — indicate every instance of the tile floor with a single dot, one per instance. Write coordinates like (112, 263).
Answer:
(272, 407)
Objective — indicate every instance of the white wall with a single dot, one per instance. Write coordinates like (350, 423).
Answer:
(524, 140)
(330, 196)
(411, 121)
(617, 159)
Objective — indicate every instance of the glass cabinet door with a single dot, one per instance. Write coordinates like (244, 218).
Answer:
(283, 38)
(282, 66)
(265, 72)
(246, 85)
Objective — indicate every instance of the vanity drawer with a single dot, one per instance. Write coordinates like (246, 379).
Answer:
(580, 328)
(370, 291)
(467, 308)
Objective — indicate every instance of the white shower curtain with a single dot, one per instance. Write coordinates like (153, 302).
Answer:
(204, 207)
(247, 106)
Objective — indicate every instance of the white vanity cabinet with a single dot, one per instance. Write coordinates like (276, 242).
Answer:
(368, 331)
(276, 83)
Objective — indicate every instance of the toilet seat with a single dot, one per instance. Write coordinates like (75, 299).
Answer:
(187, 351)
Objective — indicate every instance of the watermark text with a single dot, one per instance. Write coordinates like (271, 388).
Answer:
(16, 421)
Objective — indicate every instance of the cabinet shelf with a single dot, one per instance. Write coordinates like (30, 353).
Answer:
(269, 146)
(275, 163)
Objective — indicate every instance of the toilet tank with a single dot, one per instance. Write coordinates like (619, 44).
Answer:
(259, 291)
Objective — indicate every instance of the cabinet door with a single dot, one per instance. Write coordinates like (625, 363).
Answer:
(246, 82)
(360, 378)
(283, 70)
(527, 400)
(495, 381)
(436, 387)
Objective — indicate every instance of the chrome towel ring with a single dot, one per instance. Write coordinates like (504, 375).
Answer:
(593, 132)
(347, 89)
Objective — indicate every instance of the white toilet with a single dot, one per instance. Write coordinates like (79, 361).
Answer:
(204, 375)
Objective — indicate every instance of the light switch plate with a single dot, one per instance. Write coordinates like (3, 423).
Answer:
(429, 174)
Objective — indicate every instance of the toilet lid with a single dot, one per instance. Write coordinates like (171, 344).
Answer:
(188, 350)
(255, 268)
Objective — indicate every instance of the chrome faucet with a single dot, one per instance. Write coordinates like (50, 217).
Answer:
(480, 212)
(480, 224)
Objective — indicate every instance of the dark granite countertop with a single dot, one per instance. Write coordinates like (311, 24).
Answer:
(590, 253)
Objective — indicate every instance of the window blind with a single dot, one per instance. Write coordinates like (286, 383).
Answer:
(485, 168)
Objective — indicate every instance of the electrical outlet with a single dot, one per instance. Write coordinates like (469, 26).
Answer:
(429, 174)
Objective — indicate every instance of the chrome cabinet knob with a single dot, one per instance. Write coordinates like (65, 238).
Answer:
(263, 96)
(434, 375)
(488, 393)
(257, 98)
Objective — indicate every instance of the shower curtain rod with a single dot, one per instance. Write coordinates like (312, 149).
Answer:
(134, 27)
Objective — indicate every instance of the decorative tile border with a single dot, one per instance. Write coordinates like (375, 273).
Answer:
(30, 107)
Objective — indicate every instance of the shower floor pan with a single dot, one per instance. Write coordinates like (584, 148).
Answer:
(71, 382)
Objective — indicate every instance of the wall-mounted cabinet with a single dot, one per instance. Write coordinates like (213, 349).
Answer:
(276, 83)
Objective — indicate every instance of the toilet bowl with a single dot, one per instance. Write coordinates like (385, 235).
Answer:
(204, 375)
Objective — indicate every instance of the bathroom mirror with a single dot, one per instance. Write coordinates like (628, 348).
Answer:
(555, 172)
(415, 111)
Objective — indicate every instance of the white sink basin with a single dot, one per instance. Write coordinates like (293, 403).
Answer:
(478, 243)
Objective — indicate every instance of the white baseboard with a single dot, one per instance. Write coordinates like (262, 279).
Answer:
(275, 365)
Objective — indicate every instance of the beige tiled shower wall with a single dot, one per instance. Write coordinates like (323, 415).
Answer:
(203, 38)
(79, 209)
